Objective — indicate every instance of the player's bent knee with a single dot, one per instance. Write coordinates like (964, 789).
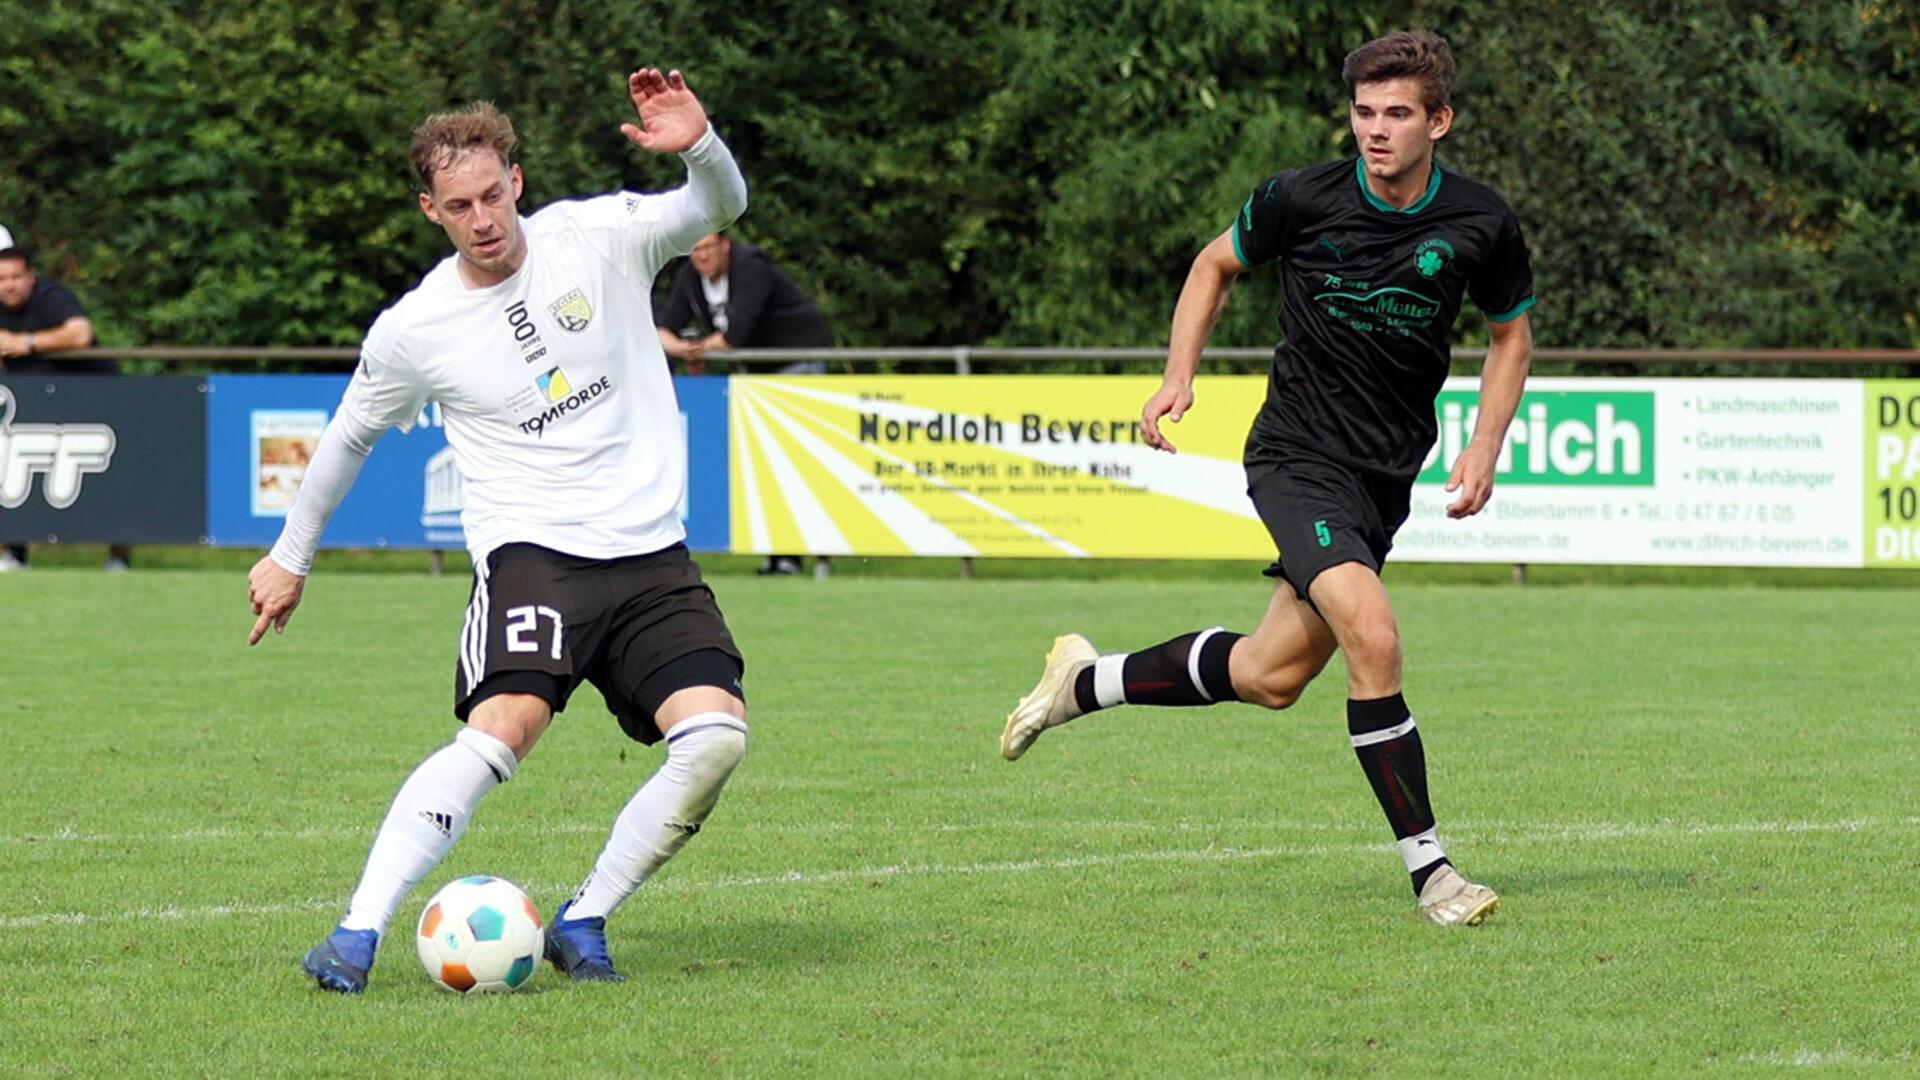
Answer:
(516, 719)
(1373, 647)
(708, 747)
(499, 756)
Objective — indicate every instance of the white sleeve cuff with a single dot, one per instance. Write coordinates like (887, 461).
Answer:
(336, 463)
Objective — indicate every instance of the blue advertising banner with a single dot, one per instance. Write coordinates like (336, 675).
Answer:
(102, 458)
(262, 429)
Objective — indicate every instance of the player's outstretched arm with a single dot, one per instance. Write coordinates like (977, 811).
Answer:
(1202, 299)
(275, 583)
(1502, 381)
(672, 121)
(671, 118)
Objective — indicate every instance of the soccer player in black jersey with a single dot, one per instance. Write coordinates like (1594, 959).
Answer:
(1375, 253)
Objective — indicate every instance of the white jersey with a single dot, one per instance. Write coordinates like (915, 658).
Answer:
(552, 384)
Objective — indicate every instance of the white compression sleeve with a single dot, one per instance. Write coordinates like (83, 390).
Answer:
(665, 813)
(715, 193)
(428, 814)
(336, 463)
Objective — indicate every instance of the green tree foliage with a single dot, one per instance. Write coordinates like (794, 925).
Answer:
(202, 172)
(975, 171)
(1703, 174)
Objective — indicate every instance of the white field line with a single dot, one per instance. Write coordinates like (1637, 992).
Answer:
(1485, 834)
(1486, 831)
(1814, 1059)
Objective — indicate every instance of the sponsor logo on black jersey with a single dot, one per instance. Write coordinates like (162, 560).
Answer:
(1432, 256)
(1387, 309)
(572, 311)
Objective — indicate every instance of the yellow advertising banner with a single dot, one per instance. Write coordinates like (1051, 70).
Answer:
(1006, 465)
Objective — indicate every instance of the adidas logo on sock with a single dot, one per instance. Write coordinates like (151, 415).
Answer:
(684, 828)
(439, 820)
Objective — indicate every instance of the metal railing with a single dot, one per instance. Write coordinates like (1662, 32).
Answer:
(963, 357)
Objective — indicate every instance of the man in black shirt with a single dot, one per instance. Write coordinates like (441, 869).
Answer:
(1376, 253)
(734, 296)
(39, 316)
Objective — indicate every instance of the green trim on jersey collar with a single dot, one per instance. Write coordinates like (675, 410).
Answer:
(1375, 201)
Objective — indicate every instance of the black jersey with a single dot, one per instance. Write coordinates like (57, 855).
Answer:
(1369, 294)
(48, 307)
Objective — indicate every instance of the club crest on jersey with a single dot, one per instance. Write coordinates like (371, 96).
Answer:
(1432, 256)
(554, 384)
(572, 311)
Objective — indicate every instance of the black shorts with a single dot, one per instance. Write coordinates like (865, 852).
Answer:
(1322, 513)
(637, 628)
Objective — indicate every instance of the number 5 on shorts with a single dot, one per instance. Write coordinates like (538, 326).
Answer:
(525, 621)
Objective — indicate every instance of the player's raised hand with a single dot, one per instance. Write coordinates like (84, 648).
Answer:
(1472, 477)
(1172, 401)
(275, 592)
(671, 118)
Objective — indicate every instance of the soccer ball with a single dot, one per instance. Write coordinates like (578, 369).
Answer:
(480, 935)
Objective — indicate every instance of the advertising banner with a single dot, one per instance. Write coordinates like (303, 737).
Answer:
(1034, 465)
(1893, 474)
(1694, 472)
(261, 431)
(1656, 471)
(102, 459)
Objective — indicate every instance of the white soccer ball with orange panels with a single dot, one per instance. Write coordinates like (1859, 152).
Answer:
(480, 935)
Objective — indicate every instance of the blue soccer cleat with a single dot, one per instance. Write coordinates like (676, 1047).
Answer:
(578, 947)
(341, 962)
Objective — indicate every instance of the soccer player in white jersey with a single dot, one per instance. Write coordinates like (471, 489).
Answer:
(536, 339)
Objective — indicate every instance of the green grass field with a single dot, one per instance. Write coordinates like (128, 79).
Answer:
(1697, 803)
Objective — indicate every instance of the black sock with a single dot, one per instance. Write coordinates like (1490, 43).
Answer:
(1170, 673)
(1387, 742)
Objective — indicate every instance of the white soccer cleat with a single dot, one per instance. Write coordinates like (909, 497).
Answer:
(1451, 900)
(1051, 703)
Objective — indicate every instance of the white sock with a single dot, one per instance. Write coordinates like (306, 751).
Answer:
(665, 813)
(1421, 850)
(428, 814)
(1108, 688)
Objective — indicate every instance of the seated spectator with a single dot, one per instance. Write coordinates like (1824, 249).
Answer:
(734, 296)
(40, 317)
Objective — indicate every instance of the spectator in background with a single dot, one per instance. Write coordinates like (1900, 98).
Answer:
(40, 317)
(734, 296)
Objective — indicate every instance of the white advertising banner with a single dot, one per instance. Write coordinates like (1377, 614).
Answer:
(1698, 472)
(1674, 471)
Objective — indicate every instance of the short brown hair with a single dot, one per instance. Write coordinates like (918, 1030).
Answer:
(443, 138)
(1407, 54)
